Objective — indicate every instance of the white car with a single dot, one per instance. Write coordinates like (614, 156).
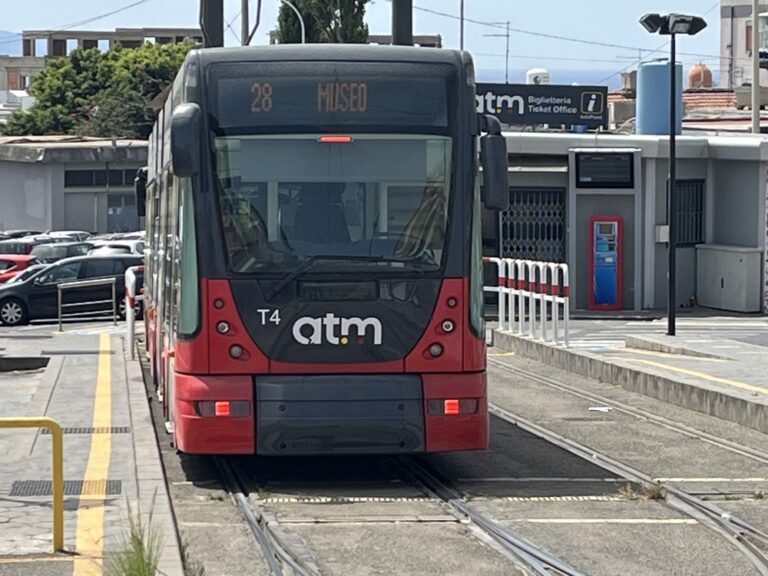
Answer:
(135, 247)
(77, 235)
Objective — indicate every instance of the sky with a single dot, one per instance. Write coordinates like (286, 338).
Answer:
(590, 22)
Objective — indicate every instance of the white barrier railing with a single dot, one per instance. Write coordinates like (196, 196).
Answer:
(532, 295)
(131, 299)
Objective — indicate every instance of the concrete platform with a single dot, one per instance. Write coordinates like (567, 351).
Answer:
(112, 468)
(700, 370)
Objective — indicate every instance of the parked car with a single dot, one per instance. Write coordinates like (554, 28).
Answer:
(37, 297)
(119, 247)
(20, 233)
(27, 273)
(13, 264)
(18, 246)
(54, 252)
(77, 235)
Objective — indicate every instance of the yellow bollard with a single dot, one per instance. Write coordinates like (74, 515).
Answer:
(58, 469)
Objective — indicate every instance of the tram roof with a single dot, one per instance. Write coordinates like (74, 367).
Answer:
(332, 52)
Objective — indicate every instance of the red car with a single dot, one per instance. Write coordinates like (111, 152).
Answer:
(12, 264)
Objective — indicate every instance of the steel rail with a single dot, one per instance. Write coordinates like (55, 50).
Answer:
(704, 512)
(275, 551)
(535, 559)
(725, 444)
(754, 453)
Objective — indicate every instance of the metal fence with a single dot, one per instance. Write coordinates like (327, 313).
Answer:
(532, 297)
(72, 286)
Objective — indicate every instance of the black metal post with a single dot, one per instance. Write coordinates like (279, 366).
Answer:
(402, 22)
(212, 23)
(672, 195)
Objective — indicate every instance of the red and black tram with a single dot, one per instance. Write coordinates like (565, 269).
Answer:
(314, 278)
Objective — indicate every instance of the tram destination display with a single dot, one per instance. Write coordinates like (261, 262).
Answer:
(292, 94)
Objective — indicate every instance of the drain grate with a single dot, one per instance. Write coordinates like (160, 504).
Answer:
(71, 487)
(92, 430)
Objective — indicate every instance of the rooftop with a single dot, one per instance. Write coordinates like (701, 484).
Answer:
(68, 149)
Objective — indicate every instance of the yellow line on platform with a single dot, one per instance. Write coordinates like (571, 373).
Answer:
(607, 520)
(706, 480)
(89, 542)
(675, 356)
(501, 354)
(695, 373)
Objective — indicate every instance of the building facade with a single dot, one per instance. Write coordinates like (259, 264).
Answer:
(61, 42)
(736, 29)
(64, 182)
(560, 184)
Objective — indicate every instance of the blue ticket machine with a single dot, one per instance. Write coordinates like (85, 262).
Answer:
(605, 262)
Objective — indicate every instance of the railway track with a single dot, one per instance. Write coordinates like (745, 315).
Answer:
(751, 541)
(281, 558)
(529, 558)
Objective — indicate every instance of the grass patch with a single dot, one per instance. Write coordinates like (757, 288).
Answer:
(139, 551)
(627, 492)
(759, 495)
(654, 491)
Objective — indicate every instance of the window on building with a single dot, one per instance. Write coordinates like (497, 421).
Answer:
(78, 179)
(98, 178)
(762, 34)
(690, 212)
(115, 177)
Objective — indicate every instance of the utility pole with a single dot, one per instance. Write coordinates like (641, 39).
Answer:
(245, 22)
(506, 55)
(756, 95)
(461, 32)
(402, 22)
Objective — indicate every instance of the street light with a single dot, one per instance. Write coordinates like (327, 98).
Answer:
(671, 25)
(301, 20)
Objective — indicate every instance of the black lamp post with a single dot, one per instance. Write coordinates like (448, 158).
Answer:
(671, 25)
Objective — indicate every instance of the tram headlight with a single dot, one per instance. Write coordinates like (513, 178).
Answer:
(448, 326)
(236, 351)
(435, 350)
(222, 328)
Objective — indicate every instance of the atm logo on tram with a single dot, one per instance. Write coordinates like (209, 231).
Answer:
(337, 331)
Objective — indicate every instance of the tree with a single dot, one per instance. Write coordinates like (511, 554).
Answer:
(99, 94)
(326, 21)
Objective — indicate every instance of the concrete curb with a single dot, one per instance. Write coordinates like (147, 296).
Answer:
(694, 396)
(150, 477)
(655, 345)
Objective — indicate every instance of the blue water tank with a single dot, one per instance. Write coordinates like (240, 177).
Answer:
(653, 98)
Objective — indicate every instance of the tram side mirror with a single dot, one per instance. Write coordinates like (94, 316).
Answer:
(140, 186)
(493, 157)
(185, 140)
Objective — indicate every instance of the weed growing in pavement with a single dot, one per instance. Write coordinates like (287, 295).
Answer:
(191, 567)
(654, 491)
(732, 497)
(627, 492)
(139, 550)
(759, 495)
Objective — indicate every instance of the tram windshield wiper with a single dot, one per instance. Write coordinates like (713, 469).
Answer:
(312, 260)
